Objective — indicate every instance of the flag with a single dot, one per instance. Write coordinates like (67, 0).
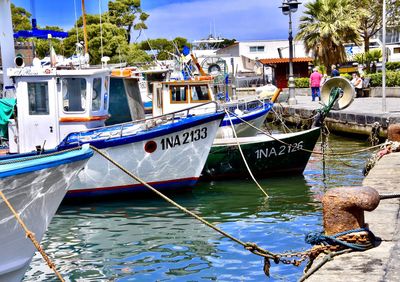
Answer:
(53, 57)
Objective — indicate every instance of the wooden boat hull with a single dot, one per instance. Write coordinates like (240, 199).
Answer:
(265, 156)
(35, 189)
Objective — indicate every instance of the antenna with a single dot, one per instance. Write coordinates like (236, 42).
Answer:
(33, 11)
(215, 33)
(101, 32)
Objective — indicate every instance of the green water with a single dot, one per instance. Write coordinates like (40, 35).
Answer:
(149, 240)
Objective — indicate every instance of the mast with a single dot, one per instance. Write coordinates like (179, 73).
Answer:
(6, 41)
(84, 26)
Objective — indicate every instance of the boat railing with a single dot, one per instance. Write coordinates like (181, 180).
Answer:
(244, 105)
(132, 127)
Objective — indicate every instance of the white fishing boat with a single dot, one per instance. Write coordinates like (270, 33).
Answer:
(174, 95)
(167, 151)
(34, 186)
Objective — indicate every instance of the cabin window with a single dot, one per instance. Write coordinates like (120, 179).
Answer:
(200, 93)
(178, 94)
(96, 99)
(38, 98)
(74, 94)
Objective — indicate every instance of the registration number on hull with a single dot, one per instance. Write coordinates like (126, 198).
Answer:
(279, 151)
(185, 138)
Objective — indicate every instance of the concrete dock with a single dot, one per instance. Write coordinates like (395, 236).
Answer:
(382, 262)
(357, 119)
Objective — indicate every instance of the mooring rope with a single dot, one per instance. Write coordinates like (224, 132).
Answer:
(306, 150)
(32, 237)
(252, 247)
(285, 258)
(243, 157)
(327, 258)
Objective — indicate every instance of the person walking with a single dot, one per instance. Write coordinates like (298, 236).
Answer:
(315, 83)
(358, 85)
(335, 72)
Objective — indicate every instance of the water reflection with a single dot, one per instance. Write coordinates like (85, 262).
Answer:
(148, 240)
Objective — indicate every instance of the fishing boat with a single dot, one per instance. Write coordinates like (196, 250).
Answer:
(276, 155)
(65, 108)
(181, 89)
(176, 95)
(34, 186)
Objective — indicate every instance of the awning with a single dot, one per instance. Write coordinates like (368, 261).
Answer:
(285, 60)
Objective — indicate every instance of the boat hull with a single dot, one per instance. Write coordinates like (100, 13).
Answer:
(175, 161)
(35, 195)
(265, 156)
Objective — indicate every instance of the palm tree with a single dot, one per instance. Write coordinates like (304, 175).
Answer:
(326, 26)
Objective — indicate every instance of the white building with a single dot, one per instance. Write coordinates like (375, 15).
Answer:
(241, 57)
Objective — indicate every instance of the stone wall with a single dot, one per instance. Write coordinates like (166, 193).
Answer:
(390, 92)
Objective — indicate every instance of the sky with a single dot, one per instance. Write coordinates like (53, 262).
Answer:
(193, 19)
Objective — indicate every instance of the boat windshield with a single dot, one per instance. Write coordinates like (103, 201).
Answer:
(74, 94)
(200, 93)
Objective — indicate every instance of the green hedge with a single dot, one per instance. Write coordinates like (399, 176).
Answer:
(302, 82)
(393, 66)
(392, 79)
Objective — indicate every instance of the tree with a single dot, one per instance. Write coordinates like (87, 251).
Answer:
(124, 13)
(20, 18)
(371, 18)
(326, 26)
(162, 46)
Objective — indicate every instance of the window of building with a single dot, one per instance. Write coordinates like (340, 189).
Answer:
(74, 94)
(178, 93)
(254, 49)
(96, 99)
(396, 50)
(38, 98)
(200, 93)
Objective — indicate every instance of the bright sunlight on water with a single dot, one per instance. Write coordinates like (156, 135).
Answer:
(150, 240)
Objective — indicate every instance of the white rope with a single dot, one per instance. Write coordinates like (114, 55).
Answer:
(244, 159)
(151, 48)
(76, 23)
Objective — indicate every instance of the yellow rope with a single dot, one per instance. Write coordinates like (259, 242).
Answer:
(309, 151)
(244, 159)
(32, 237)
(252, 247)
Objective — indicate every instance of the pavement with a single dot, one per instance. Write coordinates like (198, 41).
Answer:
(358, 118)
(360, 105)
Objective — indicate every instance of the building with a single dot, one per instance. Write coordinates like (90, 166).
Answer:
(246, 61)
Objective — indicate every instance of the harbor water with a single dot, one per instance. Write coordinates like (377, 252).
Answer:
(149, 240)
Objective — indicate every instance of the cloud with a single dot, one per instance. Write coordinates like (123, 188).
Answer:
(239, 19)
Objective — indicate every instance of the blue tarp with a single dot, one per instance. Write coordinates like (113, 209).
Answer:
(40, 33)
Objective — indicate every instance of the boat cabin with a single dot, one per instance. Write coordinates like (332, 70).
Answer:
(176, 95)
(52, 103)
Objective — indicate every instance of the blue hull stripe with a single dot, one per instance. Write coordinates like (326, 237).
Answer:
(21, 165)
(162, 130)
(249, 117)
(132, 189)
(148, 105)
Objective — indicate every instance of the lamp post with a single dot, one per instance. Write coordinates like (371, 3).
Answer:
(288, 7)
